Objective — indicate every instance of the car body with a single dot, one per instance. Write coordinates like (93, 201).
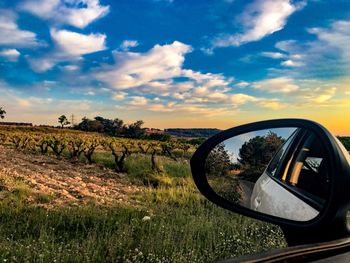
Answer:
(297, 192)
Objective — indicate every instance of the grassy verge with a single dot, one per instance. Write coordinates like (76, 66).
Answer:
(174, 224)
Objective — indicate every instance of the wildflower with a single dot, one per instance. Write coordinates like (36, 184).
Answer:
(146, 218)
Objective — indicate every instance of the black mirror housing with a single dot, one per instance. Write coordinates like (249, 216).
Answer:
(331, 220)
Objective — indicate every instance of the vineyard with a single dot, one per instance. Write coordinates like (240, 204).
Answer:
(71, 196)
(76, 146)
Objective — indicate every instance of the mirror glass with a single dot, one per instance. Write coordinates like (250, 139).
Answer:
(281, 172)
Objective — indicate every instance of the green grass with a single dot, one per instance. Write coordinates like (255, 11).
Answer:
(104, 158)
(139, 166)
(193, 232)
(177, 169)
(183, 226)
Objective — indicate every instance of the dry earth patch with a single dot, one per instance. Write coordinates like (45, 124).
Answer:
(61, 182)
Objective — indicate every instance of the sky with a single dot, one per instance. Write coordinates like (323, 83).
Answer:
(234, 144)
(176, 63)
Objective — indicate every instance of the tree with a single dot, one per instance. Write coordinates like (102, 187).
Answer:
(2, 113)
(218, 172)
(255, 154)
(118, 126)
(63, 120)
(134, 130)
(218, 162)
(113, 127)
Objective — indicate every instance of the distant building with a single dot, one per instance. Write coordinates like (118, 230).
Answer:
(16, 124)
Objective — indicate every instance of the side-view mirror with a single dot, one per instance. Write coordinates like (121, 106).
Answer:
(290, 172)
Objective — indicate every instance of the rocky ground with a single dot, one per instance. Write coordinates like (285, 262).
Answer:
(61, 182)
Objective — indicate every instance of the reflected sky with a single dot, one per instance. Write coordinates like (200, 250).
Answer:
(233, 145)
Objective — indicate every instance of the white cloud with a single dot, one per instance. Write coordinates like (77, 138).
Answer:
(160, 108)
(10, 54)
(76, 44)
(69, 46)
(286, 45)
(240, 98)
(11, 35)
(258, 20)
(318, 95)
(242, 84)
(291, 63)
(273, 55)
(327, 55)
(77, 13)
(210, 80)
(190, 109)
(138, 101)
(136, 69)
(273, 104)
(90, 93)
(276, 85)
(127, 44)
(157, 72)
(71, 68)
(207, 51)
(42, 64)
(119, 95)
(337, 35)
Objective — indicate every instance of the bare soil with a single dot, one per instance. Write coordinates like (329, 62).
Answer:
(62, 182)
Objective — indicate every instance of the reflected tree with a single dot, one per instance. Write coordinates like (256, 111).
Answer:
(218, 162)
(255, 155)
(218, 169)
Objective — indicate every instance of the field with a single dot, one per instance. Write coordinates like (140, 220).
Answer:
(68, 196)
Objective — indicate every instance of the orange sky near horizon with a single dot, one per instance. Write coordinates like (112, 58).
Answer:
(337, 120)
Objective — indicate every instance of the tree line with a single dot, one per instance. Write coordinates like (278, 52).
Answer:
(113, 127)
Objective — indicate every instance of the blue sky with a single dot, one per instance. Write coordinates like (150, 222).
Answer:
(234, 144)
(176, 63)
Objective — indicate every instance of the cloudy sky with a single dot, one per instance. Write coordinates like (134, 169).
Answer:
(176, 63)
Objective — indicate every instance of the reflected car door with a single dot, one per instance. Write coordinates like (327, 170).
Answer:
(289, 193)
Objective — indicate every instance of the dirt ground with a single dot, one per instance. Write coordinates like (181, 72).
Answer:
(63, 182)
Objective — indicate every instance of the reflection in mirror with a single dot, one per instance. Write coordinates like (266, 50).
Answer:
(281, 172)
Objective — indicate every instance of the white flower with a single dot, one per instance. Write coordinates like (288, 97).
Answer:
(146, 218)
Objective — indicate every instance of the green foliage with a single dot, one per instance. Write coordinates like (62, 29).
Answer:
(16, 192)
(172, 226)
(218, 162)
(255, 154)
(2, 113)
(157, 137)
(114, 127)
(197, 141)
(63, 120)
(134, 130)
(139, 166)
(171, 222)
(177, 169)
(193, 132)
(345, 141)
(42, 198)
